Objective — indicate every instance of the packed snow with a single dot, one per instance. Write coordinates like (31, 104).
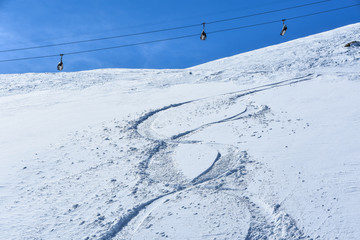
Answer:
(261, 145)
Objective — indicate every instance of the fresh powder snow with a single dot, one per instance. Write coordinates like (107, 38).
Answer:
(260, 145)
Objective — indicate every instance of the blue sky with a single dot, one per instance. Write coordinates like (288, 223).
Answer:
(27, 23)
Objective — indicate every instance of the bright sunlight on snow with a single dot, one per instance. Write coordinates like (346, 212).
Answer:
(261, 145)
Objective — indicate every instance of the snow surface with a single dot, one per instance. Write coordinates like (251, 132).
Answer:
(261, 145)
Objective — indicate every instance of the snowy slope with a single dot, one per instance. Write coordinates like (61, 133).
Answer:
(261, 145)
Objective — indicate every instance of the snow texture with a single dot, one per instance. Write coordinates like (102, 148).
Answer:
(261, 145)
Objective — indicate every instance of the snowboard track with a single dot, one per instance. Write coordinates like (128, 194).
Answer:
(259, 227)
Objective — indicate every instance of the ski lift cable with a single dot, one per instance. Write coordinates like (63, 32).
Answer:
(100, 39)
(159, 30)
(268, 12)
(287, 19)
(100, 49)
(175, 38)
(91, 35)
(241, 27)
(133, 44)
(325, 11)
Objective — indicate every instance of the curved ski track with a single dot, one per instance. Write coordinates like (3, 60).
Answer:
(264, 224)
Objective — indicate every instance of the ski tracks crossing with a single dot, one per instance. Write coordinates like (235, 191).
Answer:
(229, 160)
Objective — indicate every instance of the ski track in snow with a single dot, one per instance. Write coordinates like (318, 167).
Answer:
(220, 166)
(270, 223)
